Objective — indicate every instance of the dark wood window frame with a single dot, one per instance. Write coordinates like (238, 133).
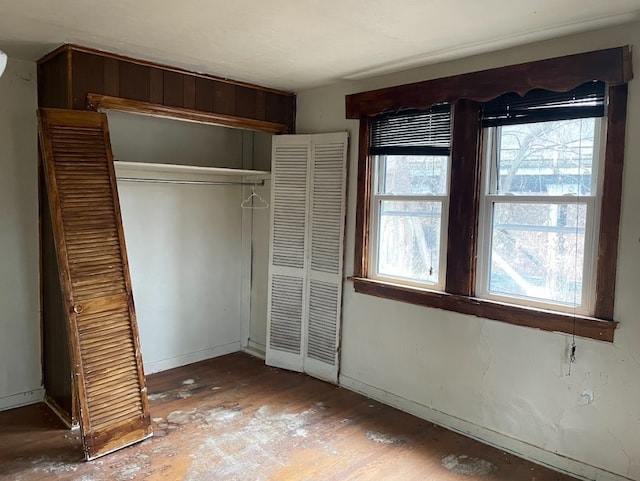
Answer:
(467, 93)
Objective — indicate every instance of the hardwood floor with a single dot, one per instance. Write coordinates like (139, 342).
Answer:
(232, 418)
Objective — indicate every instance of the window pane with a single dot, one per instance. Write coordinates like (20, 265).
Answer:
(409, 240)
(546, 158)
(413, 174)
(537, 251)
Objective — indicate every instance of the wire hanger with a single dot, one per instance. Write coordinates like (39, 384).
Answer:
(250, 202)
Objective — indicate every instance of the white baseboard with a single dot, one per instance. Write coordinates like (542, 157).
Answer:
(21, 399)
(255, 349)
(501, 441)
(190, 358)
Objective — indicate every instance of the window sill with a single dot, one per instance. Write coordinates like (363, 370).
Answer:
(583, 326)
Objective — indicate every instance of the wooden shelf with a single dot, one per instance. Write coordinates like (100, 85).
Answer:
(147, 169)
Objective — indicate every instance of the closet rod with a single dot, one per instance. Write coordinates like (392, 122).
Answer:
(196, 182)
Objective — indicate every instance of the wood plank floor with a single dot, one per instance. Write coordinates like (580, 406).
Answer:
(232, 418)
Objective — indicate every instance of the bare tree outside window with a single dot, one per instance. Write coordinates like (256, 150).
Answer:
(541, 200)
(410, 205)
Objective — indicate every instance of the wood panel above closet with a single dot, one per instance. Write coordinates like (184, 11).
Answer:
(67, 75)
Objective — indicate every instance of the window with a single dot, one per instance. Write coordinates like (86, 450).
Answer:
(538, 216)
(409, 199)
(503, 220)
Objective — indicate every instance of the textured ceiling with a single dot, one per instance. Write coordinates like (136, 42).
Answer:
(297, 44)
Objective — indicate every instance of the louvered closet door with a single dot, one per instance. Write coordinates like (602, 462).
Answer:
(287, 288)
(305, 279)
(94, 274)
(326, 225)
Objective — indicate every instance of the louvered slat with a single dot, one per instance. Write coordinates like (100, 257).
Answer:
(327, 202)
(92, 258)
(323, 312)
(286, 313)
(289, 205)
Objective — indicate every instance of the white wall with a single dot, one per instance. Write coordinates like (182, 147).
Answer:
(142, 138)
(260, 229)
(256, 231)
(20, 373)
(184, 249)
(261, 151)
(505, 384)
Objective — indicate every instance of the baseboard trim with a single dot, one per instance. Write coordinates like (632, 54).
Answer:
(255, 349)
(21, 399)
(190, 358)
(498, 440)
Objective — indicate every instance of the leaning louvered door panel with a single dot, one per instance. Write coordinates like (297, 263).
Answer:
(287, 264)
(326, 226)
(94, 274)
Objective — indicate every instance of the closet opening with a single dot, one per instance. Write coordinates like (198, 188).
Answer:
(198, 259)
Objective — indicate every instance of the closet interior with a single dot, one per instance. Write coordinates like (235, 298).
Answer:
(198, 259)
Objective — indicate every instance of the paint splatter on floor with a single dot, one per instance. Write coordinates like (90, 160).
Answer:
(232, 454)
(382, 438)
(188, 388)
(180, 417)
(468, 465)
(52, 467)
(221, 415)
